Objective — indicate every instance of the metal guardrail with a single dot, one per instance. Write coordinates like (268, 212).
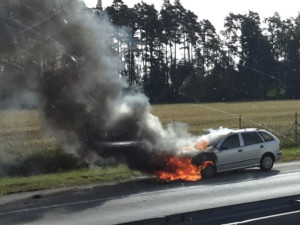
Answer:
(280, 211)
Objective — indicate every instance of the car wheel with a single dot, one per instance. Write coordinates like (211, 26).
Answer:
(208, 171)
(266, 162)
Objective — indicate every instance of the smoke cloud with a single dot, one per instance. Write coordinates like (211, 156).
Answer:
(73, 79)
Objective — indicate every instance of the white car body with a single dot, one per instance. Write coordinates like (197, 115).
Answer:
(246, 148)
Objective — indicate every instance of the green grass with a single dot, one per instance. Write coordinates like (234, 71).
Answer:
(290, 154)
(9, 185)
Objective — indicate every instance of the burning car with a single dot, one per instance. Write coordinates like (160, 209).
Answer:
(240, 149)
(218, 151)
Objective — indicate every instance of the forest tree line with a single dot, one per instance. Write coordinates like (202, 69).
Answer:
(169, 53)
(175, 57)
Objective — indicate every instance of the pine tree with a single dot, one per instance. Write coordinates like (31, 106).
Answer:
(99, 5)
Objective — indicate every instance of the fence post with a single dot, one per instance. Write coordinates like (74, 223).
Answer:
(240, 122)
(296, 127)
(174, 125)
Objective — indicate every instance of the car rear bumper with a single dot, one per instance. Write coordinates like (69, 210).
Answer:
(278, 155)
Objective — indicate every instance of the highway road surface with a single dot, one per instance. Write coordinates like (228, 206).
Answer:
(148, 198)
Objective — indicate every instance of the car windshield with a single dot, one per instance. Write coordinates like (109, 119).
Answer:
(118, 92)
(215, 140)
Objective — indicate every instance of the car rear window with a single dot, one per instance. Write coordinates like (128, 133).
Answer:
(251, 138)
(266, 136)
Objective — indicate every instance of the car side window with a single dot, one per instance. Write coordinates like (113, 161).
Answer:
(266, 136)
(231, 142)
(251, 138)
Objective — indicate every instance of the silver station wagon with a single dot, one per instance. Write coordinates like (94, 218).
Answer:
(239, 149)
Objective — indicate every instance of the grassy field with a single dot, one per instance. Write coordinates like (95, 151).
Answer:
(21, 137)
(275, 116)
(20, 130)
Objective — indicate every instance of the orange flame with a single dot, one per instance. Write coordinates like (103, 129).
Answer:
(201, 145)
(182, 169)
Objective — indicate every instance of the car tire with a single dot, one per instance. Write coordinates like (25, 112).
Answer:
(208, 171)
(266, 162)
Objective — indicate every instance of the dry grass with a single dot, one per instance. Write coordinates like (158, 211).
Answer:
(20, 132)
(23, 148)
(276, 116)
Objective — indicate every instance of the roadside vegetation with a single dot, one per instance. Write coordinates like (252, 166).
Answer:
(41, 163)
(9, 185)
(290, 154)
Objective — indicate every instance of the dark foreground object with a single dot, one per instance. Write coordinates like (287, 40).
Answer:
(280, 211)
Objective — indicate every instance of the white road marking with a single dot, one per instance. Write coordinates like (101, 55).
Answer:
(57, 205)
(265, 217)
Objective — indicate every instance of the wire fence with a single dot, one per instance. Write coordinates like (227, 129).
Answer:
(277, 121)
(289, 139)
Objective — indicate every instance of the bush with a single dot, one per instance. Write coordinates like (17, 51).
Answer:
(43, 162)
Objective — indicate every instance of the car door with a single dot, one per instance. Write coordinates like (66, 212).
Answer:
(229, 153)
(252, 147)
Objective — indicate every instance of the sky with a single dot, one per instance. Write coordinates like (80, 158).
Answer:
(216, 10)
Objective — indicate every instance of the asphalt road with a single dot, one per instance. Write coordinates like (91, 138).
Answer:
(147, 198)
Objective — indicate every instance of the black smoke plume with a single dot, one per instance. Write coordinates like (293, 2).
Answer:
(72, 76)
